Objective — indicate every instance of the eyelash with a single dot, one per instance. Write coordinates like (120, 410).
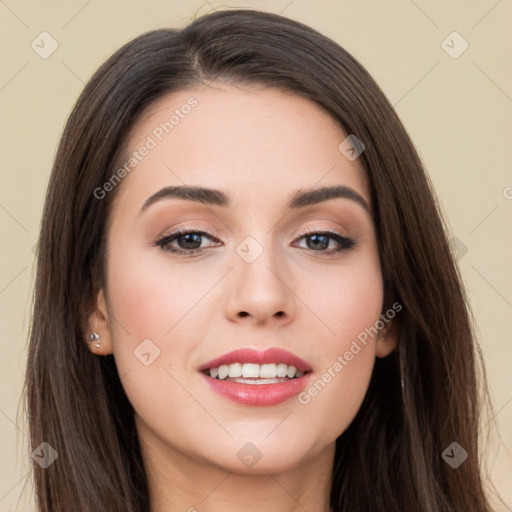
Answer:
(346, 243)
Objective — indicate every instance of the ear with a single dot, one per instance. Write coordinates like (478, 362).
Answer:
(98, 322)
(387, 339)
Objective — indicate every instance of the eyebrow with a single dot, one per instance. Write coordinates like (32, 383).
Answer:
(301, 198)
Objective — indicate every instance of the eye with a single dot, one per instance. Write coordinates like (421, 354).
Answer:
(189, 241)
(318, 241)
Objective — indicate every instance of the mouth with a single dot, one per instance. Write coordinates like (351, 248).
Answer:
(251, 377)
(256, 374)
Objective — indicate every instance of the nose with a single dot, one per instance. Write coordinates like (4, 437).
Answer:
(261, 291)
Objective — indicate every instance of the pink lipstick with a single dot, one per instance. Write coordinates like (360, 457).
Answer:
(255, 378)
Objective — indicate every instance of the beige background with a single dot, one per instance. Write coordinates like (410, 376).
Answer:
(458, 112)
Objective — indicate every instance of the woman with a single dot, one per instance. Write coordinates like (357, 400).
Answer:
(310, 350)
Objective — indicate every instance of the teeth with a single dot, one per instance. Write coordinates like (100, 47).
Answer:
(235, 370)
(223, 371)
(281, 370)
(272, 371)
(291, 372)
(250, 370)
(268, 371)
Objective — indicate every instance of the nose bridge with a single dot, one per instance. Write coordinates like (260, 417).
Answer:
(259, 284)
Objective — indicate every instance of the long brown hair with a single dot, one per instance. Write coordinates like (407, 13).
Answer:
(390, 457)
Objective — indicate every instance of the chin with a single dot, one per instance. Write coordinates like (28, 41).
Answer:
(263, 456)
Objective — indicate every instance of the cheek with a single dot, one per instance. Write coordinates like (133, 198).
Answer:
(149, 309)
(346, 298)
(348, 302)
(346, 360)
(159, 319)
(147, 298)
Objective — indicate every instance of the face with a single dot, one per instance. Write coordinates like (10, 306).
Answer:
(253, 273)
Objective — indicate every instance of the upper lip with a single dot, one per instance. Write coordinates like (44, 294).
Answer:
(251, 355)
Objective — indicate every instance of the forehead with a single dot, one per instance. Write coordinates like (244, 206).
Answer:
(259, 143)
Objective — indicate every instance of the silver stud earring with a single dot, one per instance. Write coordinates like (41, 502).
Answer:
(95, 337)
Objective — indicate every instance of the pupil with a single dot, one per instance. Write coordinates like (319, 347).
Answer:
(315, 238)
(189, 239)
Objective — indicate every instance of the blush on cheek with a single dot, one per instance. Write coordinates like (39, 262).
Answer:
(350, 310)
(140, 296)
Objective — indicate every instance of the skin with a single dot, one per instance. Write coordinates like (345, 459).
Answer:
(233, 140)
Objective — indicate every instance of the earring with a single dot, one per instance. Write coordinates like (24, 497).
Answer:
(95, 337)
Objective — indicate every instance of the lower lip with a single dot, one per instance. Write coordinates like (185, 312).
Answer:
(258, 394)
